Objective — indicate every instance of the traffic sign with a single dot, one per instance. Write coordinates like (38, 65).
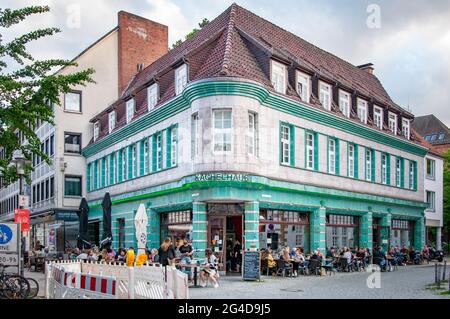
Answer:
(9, 238)
(24, 201)
(22, 216)
(9, 259)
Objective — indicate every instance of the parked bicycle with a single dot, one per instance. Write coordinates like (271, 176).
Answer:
(13, 286)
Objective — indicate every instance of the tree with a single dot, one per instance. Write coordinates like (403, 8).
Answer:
(446, 223)
(191, 34)
(28, 89)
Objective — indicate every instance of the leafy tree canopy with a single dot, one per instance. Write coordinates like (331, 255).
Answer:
(28, 89)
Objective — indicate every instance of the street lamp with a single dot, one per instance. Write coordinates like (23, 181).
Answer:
(20, 162)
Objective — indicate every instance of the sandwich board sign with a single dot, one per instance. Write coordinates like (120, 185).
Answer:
(10, 244)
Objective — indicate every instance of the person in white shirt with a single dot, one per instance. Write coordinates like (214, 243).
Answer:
(210, 270)
(347, 254)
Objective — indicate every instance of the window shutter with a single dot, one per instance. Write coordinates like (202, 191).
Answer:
(119, 163)
(388, 168)
(415, 174)
(95, 174)
(316, 151)
(154, 152)
(292, 145)
(168, 147)
(374, 159)
(130, 162)
(103, 172)
(112, 168)
(141, 158)
(88, 177)
(356, 160)
(402, 172)
(338, 157)
(281, 144)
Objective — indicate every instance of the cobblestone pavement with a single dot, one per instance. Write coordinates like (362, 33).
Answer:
(408, 282)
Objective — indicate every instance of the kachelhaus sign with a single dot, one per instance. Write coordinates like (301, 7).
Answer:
(222, 177)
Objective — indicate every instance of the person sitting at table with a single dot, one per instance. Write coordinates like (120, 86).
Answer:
(186, 256)
(330, 253)
(286, 258)
(347, 255)
(271, 263)
(209, 272)
(316, 256)
(381, 257)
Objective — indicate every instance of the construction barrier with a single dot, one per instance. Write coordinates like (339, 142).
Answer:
(78, 279)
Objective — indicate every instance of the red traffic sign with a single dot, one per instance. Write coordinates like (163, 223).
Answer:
(22, 216)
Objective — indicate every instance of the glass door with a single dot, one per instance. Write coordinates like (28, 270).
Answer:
(217, 242)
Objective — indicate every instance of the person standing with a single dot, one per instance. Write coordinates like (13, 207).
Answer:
(166, 252)
(237, 254)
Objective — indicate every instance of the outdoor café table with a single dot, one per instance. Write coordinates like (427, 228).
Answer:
(195, 266)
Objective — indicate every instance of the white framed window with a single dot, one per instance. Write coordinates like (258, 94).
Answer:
(362, 111)
(222, 131)
(411, 175)
(431, 168)
(113, 168)
(146, 157)
(378, 117)
(96, 130)
(285, 144)
(91, 176)
(325, 95)
(278, 76)
(384, 170)
(133, 161)
(406, 128)
(130, 110)
(116, 165)
(195, 135)
(398, 172)
(303, 86)
(180, 79)
(251, 134)
(351, 160)
(431, 201)
(111, 121)
(152, 96)
(332, 156)
(72, 101)
(124, 164)
(173, 147)
(159, 152)
(344, 103)
(368, 164)
(393, 123)
(107, 168)
(310, 150)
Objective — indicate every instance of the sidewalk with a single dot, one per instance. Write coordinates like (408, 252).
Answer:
(40, 278)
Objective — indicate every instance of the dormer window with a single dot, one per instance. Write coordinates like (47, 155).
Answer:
(152, 96)
(378, 117)
(180, 79)
(278, 77)
(303, 86)
(325, 95)
(406, 128)
(393, 123)
(362, 111)
(111, 121)
(96, 130)
(130, 110)
(344, 103)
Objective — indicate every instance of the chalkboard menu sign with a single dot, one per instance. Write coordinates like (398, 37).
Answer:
(251, 269)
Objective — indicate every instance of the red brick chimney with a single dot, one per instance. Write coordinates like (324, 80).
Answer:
(141, 42)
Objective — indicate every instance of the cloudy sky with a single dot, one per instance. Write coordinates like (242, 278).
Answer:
(409, 44)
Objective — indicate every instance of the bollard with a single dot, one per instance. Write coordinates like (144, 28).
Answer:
(445, 268)
(435, 273)
(439, 276)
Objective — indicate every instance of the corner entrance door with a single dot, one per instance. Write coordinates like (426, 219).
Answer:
(217, 240)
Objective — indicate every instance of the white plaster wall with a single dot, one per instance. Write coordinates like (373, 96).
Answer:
(437, 186)
(267, 163)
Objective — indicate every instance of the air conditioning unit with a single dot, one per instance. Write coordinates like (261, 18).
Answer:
(62, 164)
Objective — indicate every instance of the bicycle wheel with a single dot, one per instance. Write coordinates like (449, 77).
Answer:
(16, 287)
(34, 288)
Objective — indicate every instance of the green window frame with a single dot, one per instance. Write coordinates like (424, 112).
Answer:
(96, 175)
(333, 155)
(88, 177)
(412, 175)
(352, 161)
(287, 144)
(385, 168)
(103, 172)
(142, 158)
(112, 168)
(369, 166)
(311, 150)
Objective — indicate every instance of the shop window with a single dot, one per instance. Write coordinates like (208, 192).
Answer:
(402, 233)
(342, 231)
(279, 229)
(177, 225)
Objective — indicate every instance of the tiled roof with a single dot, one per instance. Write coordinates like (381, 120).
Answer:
(430, 125)
(421, 140)
(238, 43)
